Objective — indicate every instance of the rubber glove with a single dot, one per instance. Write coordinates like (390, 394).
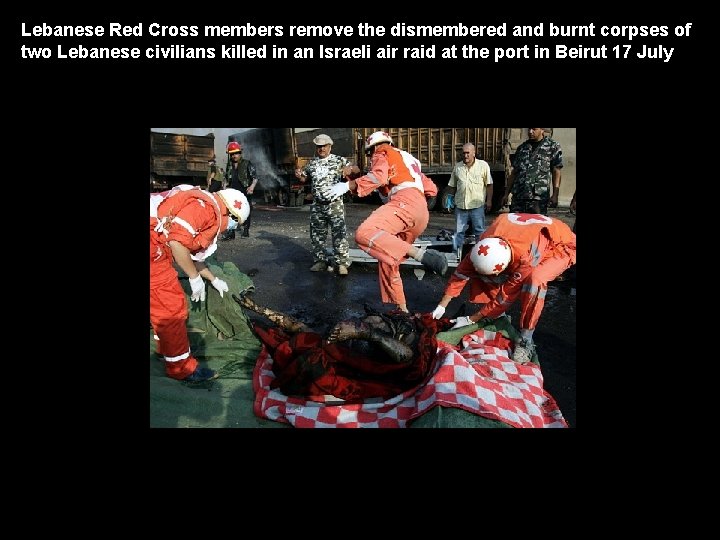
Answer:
(220, 285)
(198, 289)
(462, 321)
(338, 190)
(439, 312)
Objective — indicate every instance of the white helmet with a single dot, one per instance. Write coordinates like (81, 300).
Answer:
(377, 138)
(490, 256)
(236, 202)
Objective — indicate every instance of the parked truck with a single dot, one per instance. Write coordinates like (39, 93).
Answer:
(179, 159)
(438, 149)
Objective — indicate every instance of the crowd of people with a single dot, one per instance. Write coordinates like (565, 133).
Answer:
(514, 258)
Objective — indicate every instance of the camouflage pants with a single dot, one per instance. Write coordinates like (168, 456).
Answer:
(529, 206)
(330, 215)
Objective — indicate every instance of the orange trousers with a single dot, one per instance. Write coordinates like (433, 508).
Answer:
(168, 314)
(387, 234)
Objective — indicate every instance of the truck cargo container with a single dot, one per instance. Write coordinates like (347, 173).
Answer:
(179, 159)
(438, 149)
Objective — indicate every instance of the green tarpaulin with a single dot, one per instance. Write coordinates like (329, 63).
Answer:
(228, 400)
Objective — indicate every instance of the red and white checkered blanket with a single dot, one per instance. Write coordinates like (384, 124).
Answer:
(479, 378)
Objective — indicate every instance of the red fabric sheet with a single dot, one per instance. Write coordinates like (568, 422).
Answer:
(478, 376)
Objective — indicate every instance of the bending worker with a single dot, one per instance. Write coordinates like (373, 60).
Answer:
(184, 226)
(389, 232)
(516, 256)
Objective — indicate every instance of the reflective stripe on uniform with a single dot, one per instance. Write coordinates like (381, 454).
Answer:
(534, 290)
(461, 276)
(415, 183)
(178, 358)
(501, 299)
(185, 225)
(374, 178)
(374, 237)
(535, 253)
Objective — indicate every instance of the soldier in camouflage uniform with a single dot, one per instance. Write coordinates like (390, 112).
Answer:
(536, 166)
(324, 171)
(214, 177)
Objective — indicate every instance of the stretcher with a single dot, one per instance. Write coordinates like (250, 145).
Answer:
(359, 256)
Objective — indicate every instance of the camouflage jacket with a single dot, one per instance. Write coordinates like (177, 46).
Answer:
(324, 173)
(533, 169)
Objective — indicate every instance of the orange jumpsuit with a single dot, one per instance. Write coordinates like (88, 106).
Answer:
(542, 249)
(194, 218)
(386, 233)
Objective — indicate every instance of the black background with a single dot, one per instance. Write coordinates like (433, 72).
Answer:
(83, 126)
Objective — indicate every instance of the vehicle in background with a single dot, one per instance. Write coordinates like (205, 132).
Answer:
(277, 152)
(179, 159)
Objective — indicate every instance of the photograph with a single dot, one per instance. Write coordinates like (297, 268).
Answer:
(362, 277)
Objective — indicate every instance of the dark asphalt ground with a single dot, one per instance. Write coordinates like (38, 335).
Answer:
(277, 256)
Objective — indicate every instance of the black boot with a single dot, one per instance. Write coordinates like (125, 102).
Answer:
(227, 235)
(435, 261)
(245, 233)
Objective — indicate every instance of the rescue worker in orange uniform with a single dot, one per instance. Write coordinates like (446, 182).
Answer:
(184, 226)
(389, 232)
(515, 257)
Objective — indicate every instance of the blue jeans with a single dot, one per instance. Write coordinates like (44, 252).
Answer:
(476, 218)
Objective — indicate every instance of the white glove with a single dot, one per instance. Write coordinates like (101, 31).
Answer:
(198, 289)
(220, 285)
(338, 190)
(439, 312)
(461, 321)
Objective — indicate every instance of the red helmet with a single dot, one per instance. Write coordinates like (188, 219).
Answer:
(234, 147)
